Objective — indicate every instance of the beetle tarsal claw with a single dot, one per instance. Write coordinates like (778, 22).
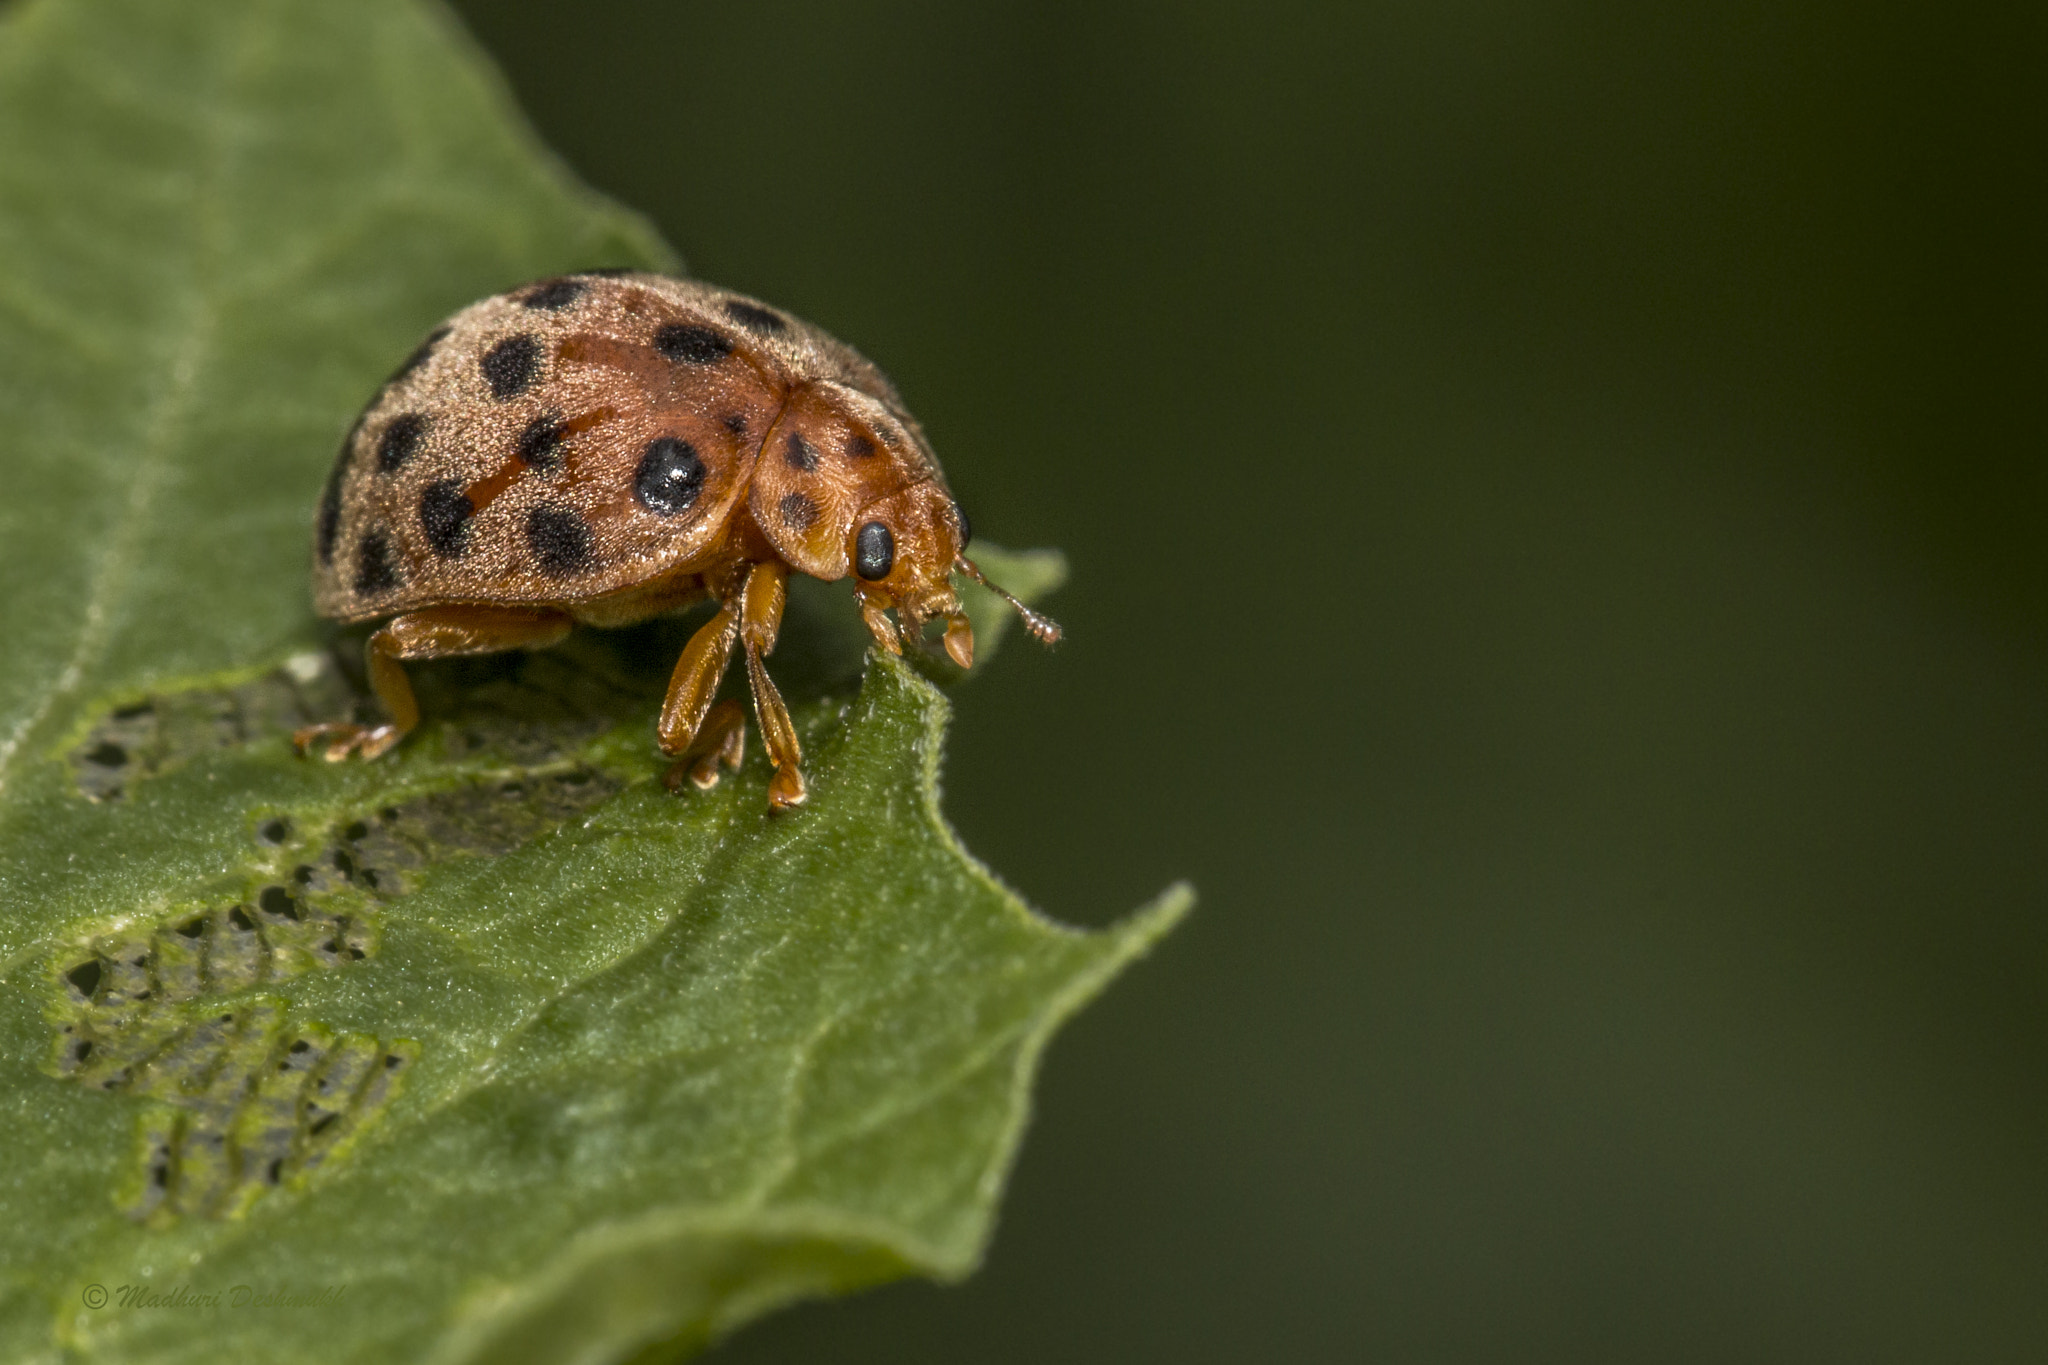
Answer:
(339, 740)
(787, 788)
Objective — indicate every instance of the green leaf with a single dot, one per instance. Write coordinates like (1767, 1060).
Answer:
(493, 1049)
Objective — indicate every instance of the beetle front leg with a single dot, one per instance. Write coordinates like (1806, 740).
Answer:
(434, 633)
(766, 592)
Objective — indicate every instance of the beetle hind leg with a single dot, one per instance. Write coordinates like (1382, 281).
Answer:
(432, 633)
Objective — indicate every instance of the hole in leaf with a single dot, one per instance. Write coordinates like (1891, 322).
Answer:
(134, 709)
(357, 829)
(274, 831)
(240, 919)
(275, 900)
(107, 754)
(85, 976)
(322, 1124)
(276, 1165)
(302, 1046)
(302, 874)
(82, 1050)
(193, 928)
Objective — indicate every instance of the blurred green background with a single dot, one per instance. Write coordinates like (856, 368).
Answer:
(1556, 499)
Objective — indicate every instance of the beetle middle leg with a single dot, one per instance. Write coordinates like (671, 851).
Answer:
(722, 738)
(432, 633)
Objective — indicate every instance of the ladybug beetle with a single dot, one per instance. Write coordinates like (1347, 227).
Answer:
(609, 446)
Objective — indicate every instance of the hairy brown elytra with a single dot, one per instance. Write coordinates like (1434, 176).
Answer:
(612, 445)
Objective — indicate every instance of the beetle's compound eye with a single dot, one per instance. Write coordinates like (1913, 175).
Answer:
(966, 527)
(874, 551)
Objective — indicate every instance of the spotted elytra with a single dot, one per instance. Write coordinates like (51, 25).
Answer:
(613, 445)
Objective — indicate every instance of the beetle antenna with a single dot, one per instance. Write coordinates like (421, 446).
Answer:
(1039, 624)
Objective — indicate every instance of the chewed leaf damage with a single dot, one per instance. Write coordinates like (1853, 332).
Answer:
(245, 1097)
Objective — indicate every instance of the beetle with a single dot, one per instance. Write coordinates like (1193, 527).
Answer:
(608, 446)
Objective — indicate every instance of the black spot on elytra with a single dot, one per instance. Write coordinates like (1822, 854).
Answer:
(687, 341)
(540, 445)
(874, 551)
(445, 511)
(330, 508)
(374, 570)
(401, 440)
(421, 354)
(511, 366)
(734, 422)
(670, 476)
(553, 295)
(798, 453)
(559, 539)
(754, 316)
(799, 513)
(859, 447)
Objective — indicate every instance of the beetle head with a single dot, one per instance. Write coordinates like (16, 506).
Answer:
(905, 550)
